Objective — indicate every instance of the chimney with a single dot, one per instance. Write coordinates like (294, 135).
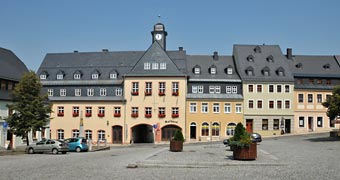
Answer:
(105, 50)
(180, 48)
(75, 51)
(215, 56)
(289, 53)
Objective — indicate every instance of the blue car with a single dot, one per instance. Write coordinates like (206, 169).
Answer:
(77, 144)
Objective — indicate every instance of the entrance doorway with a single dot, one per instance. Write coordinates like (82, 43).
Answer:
(310, 124)
(168, 132)
(193, 130)
(117, 135)
(249, 125)
(142, 134)
(287, 126)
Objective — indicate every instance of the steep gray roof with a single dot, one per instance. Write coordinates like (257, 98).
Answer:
(11, 67)
(259, 59)
(205, 62)
(315, 66)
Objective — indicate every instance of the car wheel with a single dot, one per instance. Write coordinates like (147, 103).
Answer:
(78, 149)
(30, 151)
(55, 151)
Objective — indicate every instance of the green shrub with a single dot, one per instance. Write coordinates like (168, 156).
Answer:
(241, 138)
(178, 136)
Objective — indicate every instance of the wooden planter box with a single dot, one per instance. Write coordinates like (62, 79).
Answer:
(245, 153)
(176, 146)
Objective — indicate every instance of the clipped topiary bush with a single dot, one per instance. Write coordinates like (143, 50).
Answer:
(178, 136)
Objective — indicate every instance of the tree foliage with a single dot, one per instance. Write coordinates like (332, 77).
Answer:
(30, 107)
(333, 104)
(178, 136)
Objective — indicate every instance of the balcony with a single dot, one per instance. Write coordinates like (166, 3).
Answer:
(134, 115)
(175, 93)
(60, 114)
(148, 93)
(161, 93)
(101, 114)
(75, 114)
(175, 115)
(148, 115)
(134, 93)
(161, 115)
(88, 114)
(116, 115)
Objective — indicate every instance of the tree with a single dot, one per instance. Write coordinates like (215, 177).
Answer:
(30, 108)
(333, 104)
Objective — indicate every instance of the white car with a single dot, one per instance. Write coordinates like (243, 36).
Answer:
(49, 146)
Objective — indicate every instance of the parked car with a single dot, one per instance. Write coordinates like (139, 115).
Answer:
(77, 144)
(255, 137)
(48, 145)
(226, 142)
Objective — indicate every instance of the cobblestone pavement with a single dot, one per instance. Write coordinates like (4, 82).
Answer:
(295, 157)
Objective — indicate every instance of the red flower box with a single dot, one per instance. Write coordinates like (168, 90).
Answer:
(175, 115)
(101, 114)
(134, 93)
(175, 93)
(161, 93)
(148, 115)
(134, 115)
(161, 115)
(116, 115)
(75, 114)
(88, 114)
(148, 93)
(60, 114)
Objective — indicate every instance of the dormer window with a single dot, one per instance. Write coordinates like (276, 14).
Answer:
(197, 69)
(280, 71)
(76, 76)
(147, 66)
(265, 71)
(270, 58)
(60, 76)
(213, 70)
(299, 65)
(250, 58)
(250, 71)
(229, 70)
(257, 49)
(162, 66)
(42, 76)
(113, 76)
(154, 65)
(95, 74)
(326, 66)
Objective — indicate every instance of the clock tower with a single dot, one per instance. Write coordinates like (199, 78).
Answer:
(159, 34)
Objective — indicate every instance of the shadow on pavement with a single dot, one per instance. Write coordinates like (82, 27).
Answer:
(324, 139)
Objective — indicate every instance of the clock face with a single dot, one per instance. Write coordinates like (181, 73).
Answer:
(158, 36)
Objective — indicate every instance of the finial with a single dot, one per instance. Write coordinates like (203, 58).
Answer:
(159, 18)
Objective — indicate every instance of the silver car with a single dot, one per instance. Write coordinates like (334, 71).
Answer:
(48, 145)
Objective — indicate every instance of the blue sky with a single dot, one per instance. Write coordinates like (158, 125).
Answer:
(33, 28)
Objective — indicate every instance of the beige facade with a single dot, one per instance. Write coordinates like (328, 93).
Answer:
(212, 119)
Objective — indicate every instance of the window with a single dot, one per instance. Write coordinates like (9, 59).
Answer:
(213, 70)
(276, 124)
(175, 113)
(250, 88)
(310, 98)
(301, 121)
(50, 92)
(287, 104)
(319, 81)
(211, 89)
(264, 124)
(259, 88)
(154, 65)
(161, 89)
(148, 88)
(193, 107)
(319, 121)
(300, 96)
(101, 111)
(148, 112)
(60, 134)
(76, 76)
(102, 91)
(88, 111)
(162, 66)
(259, 104)
(200, 89)
(328, 82)
(117, 111)
(175, 88)
(231, 129)
(88, 134)
(113, 76)
(215, 130)
(197, 70)
(101, 135)
(135, 88)
(234, 89)
(194, 89)
(228, 89)
(216, 107)
(146, 66)
(299, 81)
(271, 88)
(227, 108)
(217, 89)
(271, 104)
(119, 92)
(77, 92)
(60, 76)
(75, 133)
(205, 108)
(214, 89)
(134, 112)
(42, 76)
(95, 76)
(90, 92)
(250, 104)
(311, 81)
(60, 111)
(230, 71)
(205, 129)
(238, 108)
(279, 104)
(62, 92)
(287, 89)
(319, 98)
(279, 88)
(161, 112)
(75, 111)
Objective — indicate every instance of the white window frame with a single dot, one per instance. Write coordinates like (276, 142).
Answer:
(60, 76)
(230, 71)
(285, 86)
(75, 133)
(269, 88)
(76, 76)
(154, 66)
(218, 89)
(60, 134)
(204, 107)
(194, 89)
(62, 92)
(119, 92)
(101, 135)
(211, 89)
(238, 108)
(147, 66)
(290, 104)
(216, 107)
(274, 107)
(227, 108)
(228, 89)
(42, 76)
(200, 89)
(213, 70)
(135, 87)
(162, 66)
(90, 92)
(101, 110)
(113, 76)
(277, 88)
(162, 87)
(197, 70)
(175, 87)
(77, 92)
(117, 110)
(88, 134)
(148, 87)
(134, 110)
(94, 76)
(50, 92)
(234, 89)
(102, 92)
(175, 110)
(193, 107)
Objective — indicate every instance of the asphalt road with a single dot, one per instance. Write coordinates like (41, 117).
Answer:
(298, 157)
